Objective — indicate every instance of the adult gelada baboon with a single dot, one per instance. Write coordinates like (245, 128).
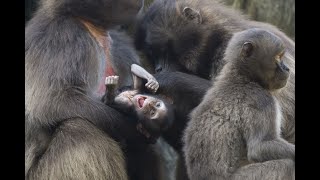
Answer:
(70, 134)
(234, 133)
(149, 114)
(191, 36)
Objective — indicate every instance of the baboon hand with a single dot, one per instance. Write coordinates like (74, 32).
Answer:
(152, 85)
(111, 80)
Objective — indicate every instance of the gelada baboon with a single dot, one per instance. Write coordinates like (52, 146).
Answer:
(234, 133)
(173, 90)
(151, 113)
(70, 133)
(191, 36)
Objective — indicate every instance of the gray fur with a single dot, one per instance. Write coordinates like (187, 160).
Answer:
(70, 134)
(235, 133)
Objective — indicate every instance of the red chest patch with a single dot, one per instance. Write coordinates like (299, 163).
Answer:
(104, 41)
(108, 71)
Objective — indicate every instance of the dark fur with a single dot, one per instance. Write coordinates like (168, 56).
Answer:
(238, 122)
(143, 159)
(186, 92)
(173, 85)
(174, 42)
(70, 134)
(123, 56)
(173, 90)
(155, 129)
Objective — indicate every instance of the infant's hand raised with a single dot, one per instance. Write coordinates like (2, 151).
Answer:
(152, 85)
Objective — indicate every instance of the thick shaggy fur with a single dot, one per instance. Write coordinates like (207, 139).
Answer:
(70, 134)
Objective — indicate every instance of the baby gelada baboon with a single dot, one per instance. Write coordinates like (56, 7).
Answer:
(235, 131)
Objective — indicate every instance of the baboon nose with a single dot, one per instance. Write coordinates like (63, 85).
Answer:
(284, 67)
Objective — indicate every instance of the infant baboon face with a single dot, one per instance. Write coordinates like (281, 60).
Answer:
(262, 55)
(153, 114)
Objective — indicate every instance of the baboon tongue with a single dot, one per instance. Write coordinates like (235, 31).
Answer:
(141, 101)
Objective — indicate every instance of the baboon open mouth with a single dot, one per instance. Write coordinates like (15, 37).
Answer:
(140, 101)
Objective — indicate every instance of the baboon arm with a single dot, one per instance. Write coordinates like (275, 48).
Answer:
(271, 150)
(265, 144)
(177, 81)
(137, 82)
(138, 74)
(110, 94)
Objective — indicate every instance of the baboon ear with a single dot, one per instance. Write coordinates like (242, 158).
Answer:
(247, 49)
(192, 14)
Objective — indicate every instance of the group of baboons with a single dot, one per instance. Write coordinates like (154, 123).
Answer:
(216, 86)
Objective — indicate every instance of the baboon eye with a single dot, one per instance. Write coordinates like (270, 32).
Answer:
(158, 104)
